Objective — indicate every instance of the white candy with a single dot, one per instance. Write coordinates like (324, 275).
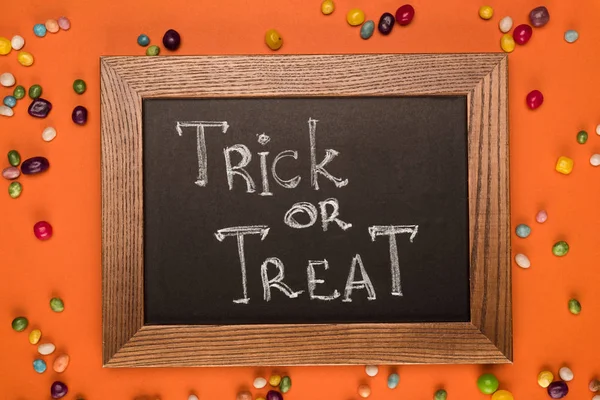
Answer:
(522, 261)
(505, 24)
(46, 348)
(7, 79)
(17, 42)
(6, 111)
(598, 130)
(596, 397)
(565, 374)
(260, 383)
(595, 160)
(371, 370)
(49, 134)
(193, 397)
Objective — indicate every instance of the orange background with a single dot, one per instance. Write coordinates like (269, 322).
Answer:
(546, 335)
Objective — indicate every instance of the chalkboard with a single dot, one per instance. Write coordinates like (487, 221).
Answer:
(305, 210)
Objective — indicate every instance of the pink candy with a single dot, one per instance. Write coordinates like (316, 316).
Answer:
(541, 216)
(535, 98)
(42, 230)
(64, 23)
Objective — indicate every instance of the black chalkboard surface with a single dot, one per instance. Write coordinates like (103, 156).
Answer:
(302, 192)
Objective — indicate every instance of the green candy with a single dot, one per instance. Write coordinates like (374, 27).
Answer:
(14, 158)
(487, 383)
(582, 137)
(285, 385)
(440, 395)
(574, 306)
(367, 29)
(153, 50)
(79, 86)
(560, 249)
(15, 189)
(19, 92)
(35, 91)
(19, 324)
(56, 304)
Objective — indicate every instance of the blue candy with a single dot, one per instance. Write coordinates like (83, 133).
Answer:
(39, 366)
(393, 381)
(571, 36)
(366, 31)
(39, 30)
(10, 101)
(143, 40)
(523, 230)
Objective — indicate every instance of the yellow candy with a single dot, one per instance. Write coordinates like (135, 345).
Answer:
(486, 12)
(25, 58)
(507, 43)
(275, 380)
(273, 39)
(34, 336)
(327, 7)
(355, 17)
(5, 46)
(545, 378)
(260, 398)
(502, 395)
(564, 165)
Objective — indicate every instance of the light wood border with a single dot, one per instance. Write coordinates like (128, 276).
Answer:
(125, 81)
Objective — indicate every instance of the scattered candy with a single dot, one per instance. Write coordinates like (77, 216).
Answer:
(61, 363)
(79, 86)
(153, 50)
(42, 230)
(273, 39)
(564, 165)
(594, 385)
(39, 30)
(274, 380)
(80, 115)
(327, 7)
(534, 99)
(34, 336)
(545, 378)
(10, 101)
(507, 43)
(260, 383)
(582, 137)
(364, 391)
(15, 189)
(35, 165)
(539, 16)
(58, 390)
(502, 395)
(571, 36)
(7, 79)
(57, 305)
(405, 14)
(64, 23)
(565, 374)
(393, 381)
(285, 385)
(487, 383)
(355, 17)
(52, 25)
(6, 111)
(35, 91)
(595, 160)
(5, 46)
(171, 40)
(17, 42)
(558, 390)
(39, 108)
(39, 366)
(522, 34)
(19, 324)
(574, 307)
(371, 370)
(274, 395)
(11, 173)
(367, 29)
(560, 249)
(192, 397)
(48, 134)
(505, 24)
(486, 12)
(14, 158)
(46, 349)
(440, 395)
(541, 216)
(522, 261)
(143, 40)
(19, 92)
(523, 230)
(386, 23)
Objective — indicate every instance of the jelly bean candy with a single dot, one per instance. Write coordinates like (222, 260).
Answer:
(405, 14)
(355, 17)
(564, 165)
(273, 39)
(486, 12)
(327, 7)
(487, 383)
(367, 29)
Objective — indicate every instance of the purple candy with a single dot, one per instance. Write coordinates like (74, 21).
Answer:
(386, 23)
(79, 115)
(558, 389)
(171, 40)
(58, 390)
(274, 395)
(39, 108)
(539, 16)
(11, 173)
(35, 165)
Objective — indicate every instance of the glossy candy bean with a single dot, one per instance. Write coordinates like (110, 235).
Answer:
(61, 363)
(574, 308)
(522, 261)
(393, 381)
(48, 134)
(64, 23)
(17, 42)
(565, 374)
(440, 395)
(523, 230)
(35, 91)
(505, 24)
(507, 43)
(10, 101)
(7, 79)
(42, 230)
(522, 34)
(171, 40)
(260, 383)
(285, 385)
(14, 158)
(487, 383)
(11, 173)
(405, 14)
(274, 380)
(80, 115)
(539, 16)
(327, 7)
(367, 29)
(582, 137)
(6, 111)
(273, 39)
(560, 249)
(596, 397)
(571, 36)
(594, 385)
(502, 395)
(598, 129)
(541, 216)
(58, 390)
(564, 165)
(558, 389)
(52, 25)
(486, 12)
(143, 40)
(19, 324)
(39, 108)
(39, 30)
(192, 397)
(57, 305)
(274, 395)
(595, 160)
(5, 46)
(545, 378)
(39, 366)
(19, 92)
(364, 391)
(25, 59)
(46, 349)
(35, 165)
(386, 23)
(372, 370)
(153, 50)
(15, 189)
(79, 86)
(35, 336)
(534, 99)
(355, 17)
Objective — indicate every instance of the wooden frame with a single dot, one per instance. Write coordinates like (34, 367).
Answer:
(125, 81)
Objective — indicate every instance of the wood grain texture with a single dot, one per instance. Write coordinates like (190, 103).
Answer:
(125, 81)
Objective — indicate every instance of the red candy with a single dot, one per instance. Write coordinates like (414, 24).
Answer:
(42, 230)
(535, 98)
(522, 34)
(405, 14)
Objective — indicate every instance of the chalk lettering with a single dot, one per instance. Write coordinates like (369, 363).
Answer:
(239, 169)
(312, 281)
(302, 207)
(263, 173)
(327, 218)
(315, 168)
(289, 183)
(364, 283)
(276, 282)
